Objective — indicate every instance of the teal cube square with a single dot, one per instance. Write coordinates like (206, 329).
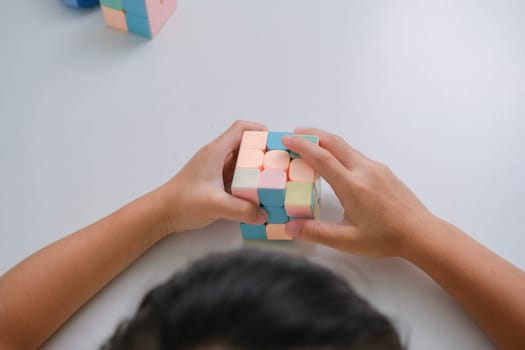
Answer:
(253, 232)
(271, 197)
(114, 4)
(276, 215)
(138, 25)
(274, 141)
(135, 7)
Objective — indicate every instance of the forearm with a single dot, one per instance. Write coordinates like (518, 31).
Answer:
(488, 287)
(43, 291)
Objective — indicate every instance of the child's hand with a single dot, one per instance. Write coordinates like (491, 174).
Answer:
(197, 195)
(380, 212)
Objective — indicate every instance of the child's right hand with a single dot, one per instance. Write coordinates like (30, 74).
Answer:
(381, 214)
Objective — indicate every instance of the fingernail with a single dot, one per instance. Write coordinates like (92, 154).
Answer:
(292, 229)
(262, 216)
(286, 138)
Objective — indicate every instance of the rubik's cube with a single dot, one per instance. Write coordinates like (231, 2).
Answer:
(143, 17)
(270, 175)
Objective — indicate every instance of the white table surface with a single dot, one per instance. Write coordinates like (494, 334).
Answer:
(91, 118)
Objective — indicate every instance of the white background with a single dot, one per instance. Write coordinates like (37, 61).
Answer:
(91, 118)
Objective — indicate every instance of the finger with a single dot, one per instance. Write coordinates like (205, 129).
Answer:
(237, 209)
(323, 161)
(230, 140)
(333, 235)
(342, 151)
(227, 171)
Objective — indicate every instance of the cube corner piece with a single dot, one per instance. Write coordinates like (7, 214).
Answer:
(300, 199)
(254, 140)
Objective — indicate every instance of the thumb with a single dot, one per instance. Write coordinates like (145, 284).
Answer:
(237, 209)
(323, 232)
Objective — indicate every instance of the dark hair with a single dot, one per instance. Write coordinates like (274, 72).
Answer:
(253, 300)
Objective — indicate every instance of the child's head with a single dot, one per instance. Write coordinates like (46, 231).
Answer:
(254, 300)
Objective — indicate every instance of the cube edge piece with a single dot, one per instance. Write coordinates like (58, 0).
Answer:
(277, 232)
(244, 184)
(272, 189)
(276, 215)
(250, 158)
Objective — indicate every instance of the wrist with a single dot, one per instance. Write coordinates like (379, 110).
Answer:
(158, 204)
(169, 196)
(421, 237)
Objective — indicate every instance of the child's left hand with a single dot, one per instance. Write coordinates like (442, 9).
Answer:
(197, 195)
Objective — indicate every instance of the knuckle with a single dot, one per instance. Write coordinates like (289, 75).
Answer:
(206, 151)
(338, 141)
(247, 212)
(250, 215)
(215, 200)
(237, 123)
(322, 156)
(380, 168)
(359, 188)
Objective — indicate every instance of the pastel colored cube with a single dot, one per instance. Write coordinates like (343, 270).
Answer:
(300, 170)
(115, 18)
(275, 141)
(311, 138)
(244, 184)
(266, 174)
(276, 159)
(276, 215)
(271, 187)
(250, 158)
(277, 232)
(142, 17)
(254, 140)
(300, 199)
(253, 232)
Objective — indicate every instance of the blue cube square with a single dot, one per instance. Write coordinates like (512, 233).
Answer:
(274, 141)
(271, 197)
(137, 8)
(138, 25)
(276, 215)
(253, 232)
